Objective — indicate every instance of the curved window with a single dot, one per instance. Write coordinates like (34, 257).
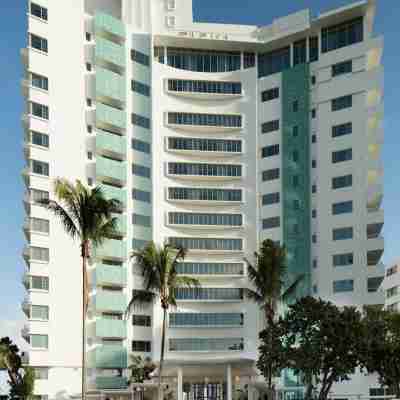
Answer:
(217, 145)
(209, 294)
(212, 87)
(205, 319)
(204, 194)
(224, 120)
(204, 169)
(206, 244)
(177, 218)
(190, 268)
(207, 344)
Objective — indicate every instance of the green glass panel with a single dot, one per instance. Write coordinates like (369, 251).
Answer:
(110, 274)
(106, 167)
(110, 116)
(108, 357)
(109, 84)
(296, 189)
(108, 51)
(112, 192)
(108, 23)
(111, 382)
(110, 301)
(111, 249)
(110, 142)
(110, 328)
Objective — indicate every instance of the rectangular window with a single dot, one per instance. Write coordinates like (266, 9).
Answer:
(39, 341)
(142, 346)
(273, 62)
(344, 207)
(140, 145)
(342, 155)
(38, 43)
(141, 220)
(206, 344)
(271, 223)
(342, 129)
(271, 198)
(346, 285)
(342, 103)
(300, 52)
(39, 283)
(373, 284)
(270, 94)
(39, 81)
(141, 121)
(138, 244)
(40, 167)
(39, 110)
(205, 194)
(39, 312)
(140, 58)
(39, 139)
(220, 120)
(40, 225)
(270, 151)
(340, 182)
(210, 87)
(202, 293)
(342, 234)
(38, 196)
(184, 319)
(209, 244)
(39, 254)
(39, 11)
(227, 170)
(141, 88)
(270, 174)
(249, 60)
(270, 126)
(209, 268)
(342, 35)
(141, 170)
(212, 145)
(341, 68)
(141, 320)
(392, 292)
(203, 219)
(141, 195)
(343, 260)
(314, 48)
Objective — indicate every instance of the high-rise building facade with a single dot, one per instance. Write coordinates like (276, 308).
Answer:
(214, 137)
(391, 287)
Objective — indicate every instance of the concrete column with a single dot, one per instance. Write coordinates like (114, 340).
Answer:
(180, 384)
(229, 382)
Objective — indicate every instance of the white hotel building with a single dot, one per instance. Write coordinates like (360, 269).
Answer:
(214, 137)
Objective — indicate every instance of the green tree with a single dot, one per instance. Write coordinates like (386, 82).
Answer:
(21, 378)
(161, 280)
(381, 353)
(86, 215)
(322, 343)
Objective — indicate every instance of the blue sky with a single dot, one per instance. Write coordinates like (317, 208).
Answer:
(257, 12)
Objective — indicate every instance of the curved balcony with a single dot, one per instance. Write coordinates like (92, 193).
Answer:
(111, 145)
(114, 357)
(110, 275)
(110, 382)
(111, 249)
(110, 301)
(110, 328)
(110, 170)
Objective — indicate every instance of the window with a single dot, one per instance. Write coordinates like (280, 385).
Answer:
(89, 128)
(270, 94)
(206, 344)
(140, 88)
(342, 182)
(89, 102)
(271, 223)
(342, 155)
(41, 372)
(373, 284)
(314, 213)
(273, 62)
(141, 320)
(376, 391)
(39, 11)
(90, 181)
(314, 164)
(314, 138)
(210, 244)
(88, 67)
(270, 151)
(112, 316)
(141, 195)
(342, 129)
(314, 48)
(342, 35)
(141, 170)
(205, 319)
(270, 126)
(314, 113)
(344, 207)
(170, 21)
(315, 289)
(211, 87)
(222, 120)
(343, 286)
(313, 80)
(39, 139)
(40, 225)
(180, 218)
(39, 110)
(300, 52)
(343, 260)
(141, 346)
(39, 341)
(38, 43)
(39, 81)
(39, 312)
(270, 174)
(213, 145)
(140, 58)
(271, 198)
(342, 233)
(314, 238)
(140, 145)
(295, 131)
(203, 60)
(295, 106)
(138, 244)
(392, 292)
(141, 220)
(205, 194)
(342, 103)
(39, 254)
(314, 189)
(190, 268)
(227, 170)
(38, 196)
(202, 293)
(249, 60)
(88, 36)
(341, 68)
(141, 121)
(89, 155)
(171, 5)
(39, 283)
(40, 167)
(315, 263)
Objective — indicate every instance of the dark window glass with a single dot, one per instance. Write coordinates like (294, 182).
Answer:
(223, 120)
(39, 81)
(213, 145)
(342, 181)
(300, 52)
(343, 129)
(342, 103)
(141, 88)
(141, 170)
(139, 120)
(295, 106)
(314, 164)
(343, 260)
(314, 48)
(38, 43)
(341, 68)
(141, 346)
(342, 233)
(39, 110)
(314, 138)
(270, 223)
(314, 189)
(249, 60)
(270, 151)
(342, 155)
(40, 139)
(270, 126)
(344, 207)
(270, 198)
(141, 146)
(175, 168)
(313, 113)
(270, 174)
(189, 86)
(40, 167)
(39, 11)
(140, 58)
(141, 195)
(141, 320)
(270, 94)
(273, 62)
(295, 131)
(205, 194)
(343, 286)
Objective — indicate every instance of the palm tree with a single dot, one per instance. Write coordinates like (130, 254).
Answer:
(161, 280)
(86, 215)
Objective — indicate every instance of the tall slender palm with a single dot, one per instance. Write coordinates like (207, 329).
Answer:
(161, 280)
(86, 215)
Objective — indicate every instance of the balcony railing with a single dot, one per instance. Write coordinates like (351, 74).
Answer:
(110, 301)
(111, 329)
(110, 275)
(108, 357)
(110, 382)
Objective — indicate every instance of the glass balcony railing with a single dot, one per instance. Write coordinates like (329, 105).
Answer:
(109, 85)
(107, 23)
(110, 117)
(111, 275)
(114, 301)
(109, 52)
(111, 248)
(111, 169)
(108, 357)
(112, 192)
(110, 328)
(109, 143)
(111, 382)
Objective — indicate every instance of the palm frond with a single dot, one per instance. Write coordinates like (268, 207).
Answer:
(68, 223)
(139, 297)
(291, 289)
(186, 281)
(254, 296)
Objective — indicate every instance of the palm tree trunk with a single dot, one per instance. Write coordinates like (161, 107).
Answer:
(160, 391)
(84, 305)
